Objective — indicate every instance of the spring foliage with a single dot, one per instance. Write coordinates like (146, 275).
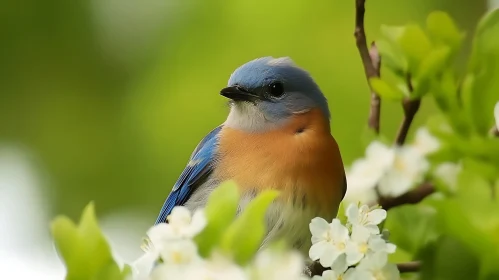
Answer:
(453, 232)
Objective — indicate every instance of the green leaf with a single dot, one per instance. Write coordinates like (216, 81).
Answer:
(444, 91)
(479, 100)
(112, 272)
(475, 194)
(84, 249)
(412, 226)
(480, 167)
(443, 30)
(431, 67)
(483, 40)
(392, 56)
(385, 90)
(481, 86)
(468, 218)
(434, 63)
(415, 45)
(243, 237)
(392, 33)
(448, 259)
(226, 197)
(341, 215)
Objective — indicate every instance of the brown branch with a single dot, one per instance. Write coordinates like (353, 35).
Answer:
(411, 107)
(411, 197)
(374, 112)
(371, 62)
(414, 266)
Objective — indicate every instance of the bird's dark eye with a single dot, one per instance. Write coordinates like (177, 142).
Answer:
(276, 89)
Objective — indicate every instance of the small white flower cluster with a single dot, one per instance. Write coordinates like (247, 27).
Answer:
(394, 169)
(353, 251)
(173, 244)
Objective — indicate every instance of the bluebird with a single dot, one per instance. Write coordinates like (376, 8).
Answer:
(277, 135)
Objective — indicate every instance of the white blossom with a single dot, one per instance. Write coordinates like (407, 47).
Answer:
(180, 252)
(328, 275)
(276, 265)
(335, 275)
(183, 224)
(376, 267)
(340, 265)
(362, 243)
(448, 172)
(363, 216)
(169, 272)
(365, 173)
(424, 142)
(218, 267)
(328, 242)
(141, 268)
(358, 245)
(409, 167)
(362, 179)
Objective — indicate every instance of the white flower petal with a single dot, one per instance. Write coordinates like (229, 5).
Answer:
(409, 168)
(198, 222)
(317, 250)
(180, 216)
(167, 272)
(340, 264)
(360, 234)
(376, 243)
(376, 216)
(352, 213)
(372, 229)
(274, 265)
(353, 254)
(157, 233)
(355, 273)
(448, 172)
(180, 252)
(379, 151)
(390, 272)
(318, 226)
(329, 275)
(390, 248)
(339, 232)
(329, 256)
(142, 267)
(425, 143)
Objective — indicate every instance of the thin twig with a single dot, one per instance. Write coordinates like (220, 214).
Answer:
(411, 197)
(414, 266)
(374, 113)
(411, 107)
(371, 62)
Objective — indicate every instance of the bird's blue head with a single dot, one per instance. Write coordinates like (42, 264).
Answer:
(265, 92)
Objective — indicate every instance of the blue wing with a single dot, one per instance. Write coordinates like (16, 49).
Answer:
(195, 173)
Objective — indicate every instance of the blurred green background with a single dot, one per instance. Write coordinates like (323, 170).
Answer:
(110, 97)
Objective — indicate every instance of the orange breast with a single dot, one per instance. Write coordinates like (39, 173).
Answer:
(301, 159)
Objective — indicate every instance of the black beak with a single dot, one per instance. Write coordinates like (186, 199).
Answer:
(237, 93)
